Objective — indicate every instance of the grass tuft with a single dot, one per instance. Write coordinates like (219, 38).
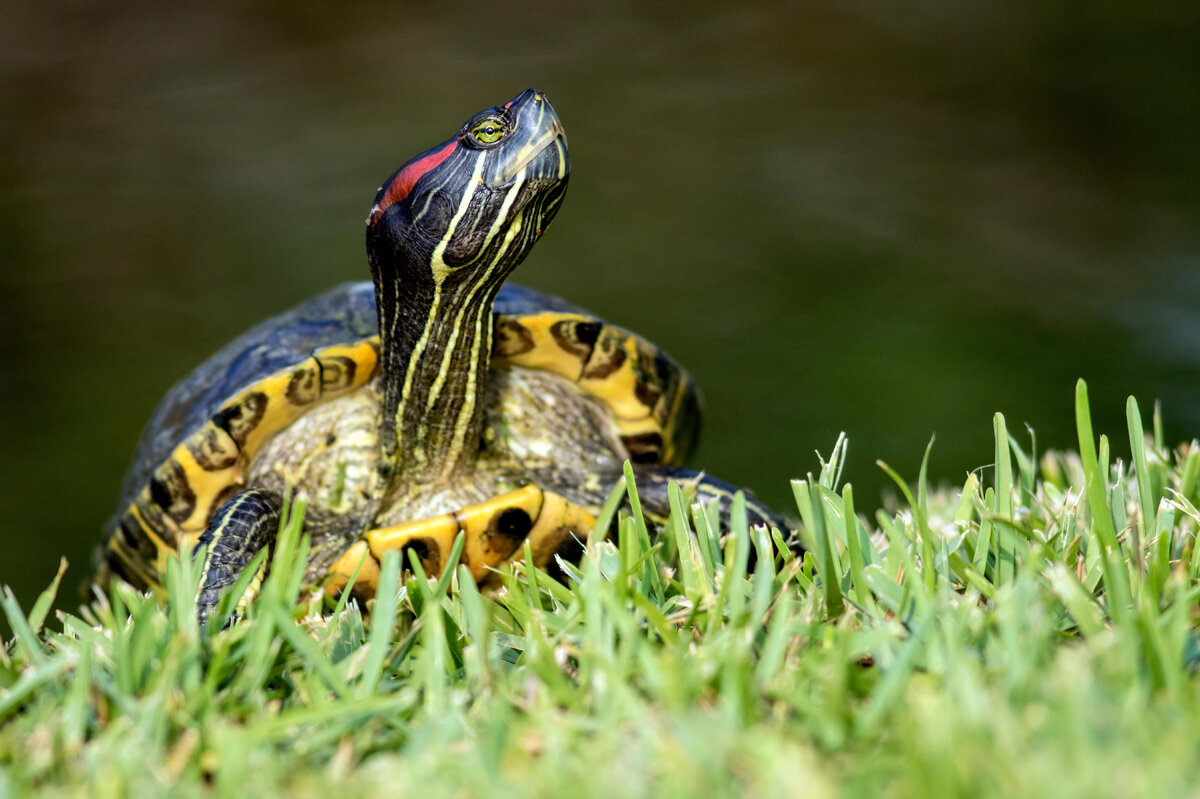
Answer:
(1030, 634)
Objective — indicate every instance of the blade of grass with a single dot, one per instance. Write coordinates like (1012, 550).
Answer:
(383, 624)
(1141, 470)
(1003, 509)
(1114, 575)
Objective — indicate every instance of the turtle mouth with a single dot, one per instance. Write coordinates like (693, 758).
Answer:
(553, 138)
(539, 148)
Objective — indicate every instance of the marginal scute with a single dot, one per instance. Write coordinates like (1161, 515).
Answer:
(151, 517)
(648, 394)
(356, 559)
(644, 447)
(511, 339)
(337, 372)
(607, 357)
(129, 563)
(136, 539)
(170, 490)
(213, 448)
(205, 485)
(611, 374)
(560, 521)
(511, 525)
(346, 367)
(650, 381)
(483, 547)
(546, 352)
(570, 550)
(279, 411)
(241, 415)
(576, 337)
(427, 551)
(304, 385)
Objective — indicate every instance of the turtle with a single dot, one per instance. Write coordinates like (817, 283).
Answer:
(434, 400)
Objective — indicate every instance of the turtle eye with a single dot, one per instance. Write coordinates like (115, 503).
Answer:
(488, 131)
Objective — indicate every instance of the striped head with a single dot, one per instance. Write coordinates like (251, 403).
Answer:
(479, 200)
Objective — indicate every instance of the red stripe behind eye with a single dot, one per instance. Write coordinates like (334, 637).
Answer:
(406, 178)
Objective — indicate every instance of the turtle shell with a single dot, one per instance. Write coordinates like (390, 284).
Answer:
(654, 403)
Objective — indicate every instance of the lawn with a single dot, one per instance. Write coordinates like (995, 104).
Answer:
(1030, 633)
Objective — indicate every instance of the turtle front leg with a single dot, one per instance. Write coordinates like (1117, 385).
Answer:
(240, 529)
(496, 532)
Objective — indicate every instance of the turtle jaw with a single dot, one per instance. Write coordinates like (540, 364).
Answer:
(538, 150)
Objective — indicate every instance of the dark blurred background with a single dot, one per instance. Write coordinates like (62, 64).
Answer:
(889, 219)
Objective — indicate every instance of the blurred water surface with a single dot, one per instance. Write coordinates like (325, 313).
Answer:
(886, 219)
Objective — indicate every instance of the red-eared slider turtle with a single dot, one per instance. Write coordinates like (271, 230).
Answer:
(432, 401)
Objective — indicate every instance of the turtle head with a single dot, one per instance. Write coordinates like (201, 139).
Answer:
(480, 199)
(444, 233)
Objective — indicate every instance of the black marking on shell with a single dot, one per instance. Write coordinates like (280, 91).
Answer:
(643, 447)
(426, 550)
(512, 339)
(577, 338)
(570, 549)
(239, 420)
(337, 372)
(304, 388)
(647, 393)
(156, 519)
(651, 381)
(135, 539)
(662, 368)
(134, 571)
(170, 490)
(512, 524)
(607, 360)
(209, 450)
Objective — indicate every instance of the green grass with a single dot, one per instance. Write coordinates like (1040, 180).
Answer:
(1030, 634)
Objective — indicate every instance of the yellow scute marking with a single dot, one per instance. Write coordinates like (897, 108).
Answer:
(634, 427)
(474, 520)
(441, 530)
(363, 353)
(546, 353)
(206, 486)
(339, 573)
(617, 389)
(278, 414)
(559, 518)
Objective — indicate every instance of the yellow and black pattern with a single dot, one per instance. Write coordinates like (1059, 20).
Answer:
(184, 491)
(462, 395)
(653, 400)
(496, 532)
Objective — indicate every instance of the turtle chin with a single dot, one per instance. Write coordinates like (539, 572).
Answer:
(541, 210)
